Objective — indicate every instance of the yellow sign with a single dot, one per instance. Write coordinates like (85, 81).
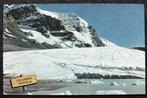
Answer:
(23, 80)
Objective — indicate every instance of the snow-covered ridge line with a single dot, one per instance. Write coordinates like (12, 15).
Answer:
(108, 43)
(58, 15)
(45, 12)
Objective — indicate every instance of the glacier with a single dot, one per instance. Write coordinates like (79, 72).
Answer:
(66, 63)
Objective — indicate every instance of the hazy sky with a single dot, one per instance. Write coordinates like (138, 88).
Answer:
(122, 24)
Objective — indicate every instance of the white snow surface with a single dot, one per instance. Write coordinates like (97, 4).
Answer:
(108, 43)
(64, 63)
(110, 92)
(8, 33)
(96, 82)
(62, 93)
(48, 13)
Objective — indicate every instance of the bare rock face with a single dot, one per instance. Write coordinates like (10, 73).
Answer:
(28, 27)
(13, 37)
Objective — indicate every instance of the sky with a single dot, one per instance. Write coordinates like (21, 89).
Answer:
(122, 24)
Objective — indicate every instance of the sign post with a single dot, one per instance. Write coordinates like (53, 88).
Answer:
(23, 81)
(23, 87)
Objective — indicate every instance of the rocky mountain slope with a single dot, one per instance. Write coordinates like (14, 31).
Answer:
(28, 27)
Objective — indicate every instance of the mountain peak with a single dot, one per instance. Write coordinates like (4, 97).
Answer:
(41, 29)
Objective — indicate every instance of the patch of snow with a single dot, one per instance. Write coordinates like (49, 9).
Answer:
(39, 37)
(123, 84)
(8, 33)
(7, 7)
(110, 92)
(4, 93)
(30, 18)
(108, 43)
(83, 37)
(62, 93)
(83, 21)
(96, 82)
(28, 93)
(137, 73)
(68, 92)
(114, 84)
(24, 40)
(36, 35)
(48, 13)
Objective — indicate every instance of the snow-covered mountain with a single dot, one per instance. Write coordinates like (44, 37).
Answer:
(28, 26)
(99, 62)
